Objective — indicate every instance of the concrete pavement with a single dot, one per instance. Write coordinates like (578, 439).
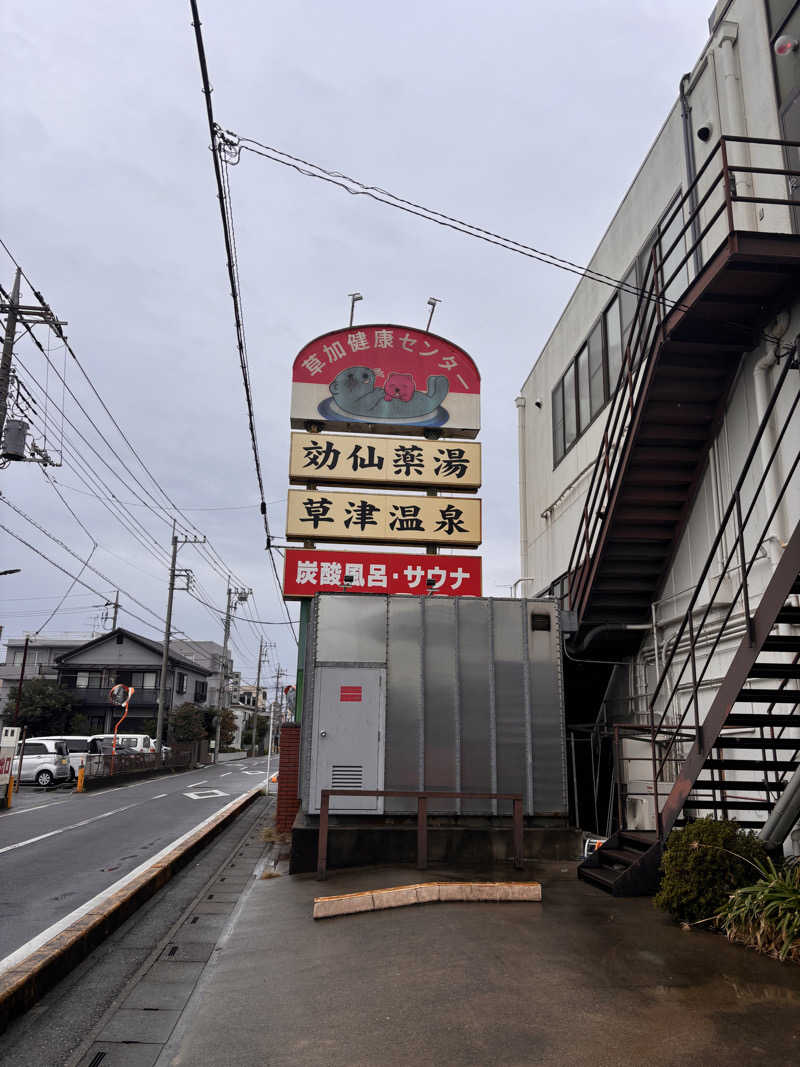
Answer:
(579, 979)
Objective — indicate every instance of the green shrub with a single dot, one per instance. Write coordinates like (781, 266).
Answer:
(703, 864)
(766, 915)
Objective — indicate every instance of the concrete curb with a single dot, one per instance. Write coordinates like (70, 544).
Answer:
(424, 893)
(25, 983)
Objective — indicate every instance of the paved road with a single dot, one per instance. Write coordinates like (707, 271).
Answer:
(57, 851)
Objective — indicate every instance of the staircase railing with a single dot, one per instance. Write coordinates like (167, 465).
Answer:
(688, 674)
(710, 221)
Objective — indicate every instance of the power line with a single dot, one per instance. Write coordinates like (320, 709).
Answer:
(229, 237)
(78, 580)
(215, 560)
(235, 144)
(71, 552)
(259, 622)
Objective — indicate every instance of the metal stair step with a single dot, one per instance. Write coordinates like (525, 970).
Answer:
(789, 744)
(754, 720)
(775, 670)
(748, 764)
(601, 877)
(622, 856)
(789, 614)
(770, 696)
(732, 805)
(639, 840)
(744, 786)
(781, 643)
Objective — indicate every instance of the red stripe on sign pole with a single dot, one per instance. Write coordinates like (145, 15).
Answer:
(351, 693)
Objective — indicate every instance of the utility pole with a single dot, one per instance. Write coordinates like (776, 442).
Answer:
(32, 314)
(258, 694)
(187, 574)
(116, 611)
(8, 348)
(235, 596)
(21, 680)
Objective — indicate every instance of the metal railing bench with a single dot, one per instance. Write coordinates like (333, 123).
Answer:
(422, 819)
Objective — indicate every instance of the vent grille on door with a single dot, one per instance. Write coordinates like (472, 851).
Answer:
(343, 777)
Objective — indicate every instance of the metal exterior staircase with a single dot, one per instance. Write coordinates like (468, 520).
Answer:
(679, 362)
(750, 728)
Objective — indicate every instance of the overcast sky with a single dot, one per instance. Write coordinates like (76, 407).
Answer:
(528, 119)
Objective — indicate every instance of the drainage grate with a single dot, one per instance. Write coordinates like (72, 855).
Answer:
(173, 950)
(97, 1059)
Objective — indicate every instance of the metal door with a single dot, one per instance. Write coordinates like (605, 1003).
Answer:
(348, 741)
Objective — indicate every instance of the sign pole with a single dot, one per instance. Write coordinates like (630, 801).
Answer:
(305, 613)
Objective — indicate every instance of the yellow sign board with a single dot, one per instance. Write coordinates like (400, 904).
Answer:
(379, 518)
(338, 459)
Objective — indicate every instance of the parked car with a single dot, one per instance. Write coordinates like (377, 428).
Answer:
(77, 747)
(100, 750)
(141, 743)
(45, 760)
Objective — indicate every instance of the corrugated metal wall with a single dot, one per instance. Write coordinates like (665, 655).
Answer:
(474, 696)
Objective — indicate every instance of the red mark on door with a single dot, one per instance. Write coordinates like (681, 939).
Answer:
(350, 693)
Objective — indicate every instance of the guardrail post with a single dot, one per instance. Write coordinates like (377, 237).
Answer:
(322, 843)
(81, 776)
(422, 833)
(518, 832)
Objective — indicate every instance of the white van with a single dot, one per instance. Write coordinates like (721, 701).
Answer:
(141, 743)
(44, 761)
(77, 746)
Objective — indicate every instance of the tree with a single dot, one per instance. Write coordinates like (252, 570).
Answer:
(188, 723)
(44, 706)
(79, 724)
(227, 728)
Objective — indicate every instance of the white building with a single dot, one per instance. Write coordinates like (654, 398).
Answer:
(659, 411)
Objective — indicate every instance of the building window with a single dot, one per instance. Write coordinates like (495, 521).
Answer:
(200, 692)
(613, 343)
(597, 388)
(558, 424)
(144, 679)
(181, 683)
(89, 680)
(591, 378)
(570, 407)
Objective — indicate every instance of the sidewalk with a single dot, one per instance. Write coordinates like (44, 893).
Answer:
(579, 979)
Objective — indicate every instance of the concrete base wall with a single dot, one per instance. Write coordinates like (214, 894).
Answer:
(477, 844)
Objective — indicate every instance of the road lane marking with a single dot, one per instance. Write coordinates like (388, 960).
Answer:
(159, 796)
(24, 811)
(191, 785)
(206, 794)
(63, 829)
(35, 943)
(225, 775)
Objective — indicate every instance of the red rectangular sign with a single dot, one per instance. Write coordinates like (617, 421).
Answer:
(349, 694)
(307, 571)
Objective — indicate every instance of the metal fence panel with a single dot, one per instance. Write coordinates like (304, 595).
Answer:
(404, 701)
(351, 629)
(476, 693)
(509, 672)
(441, 700)
(549, 744)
